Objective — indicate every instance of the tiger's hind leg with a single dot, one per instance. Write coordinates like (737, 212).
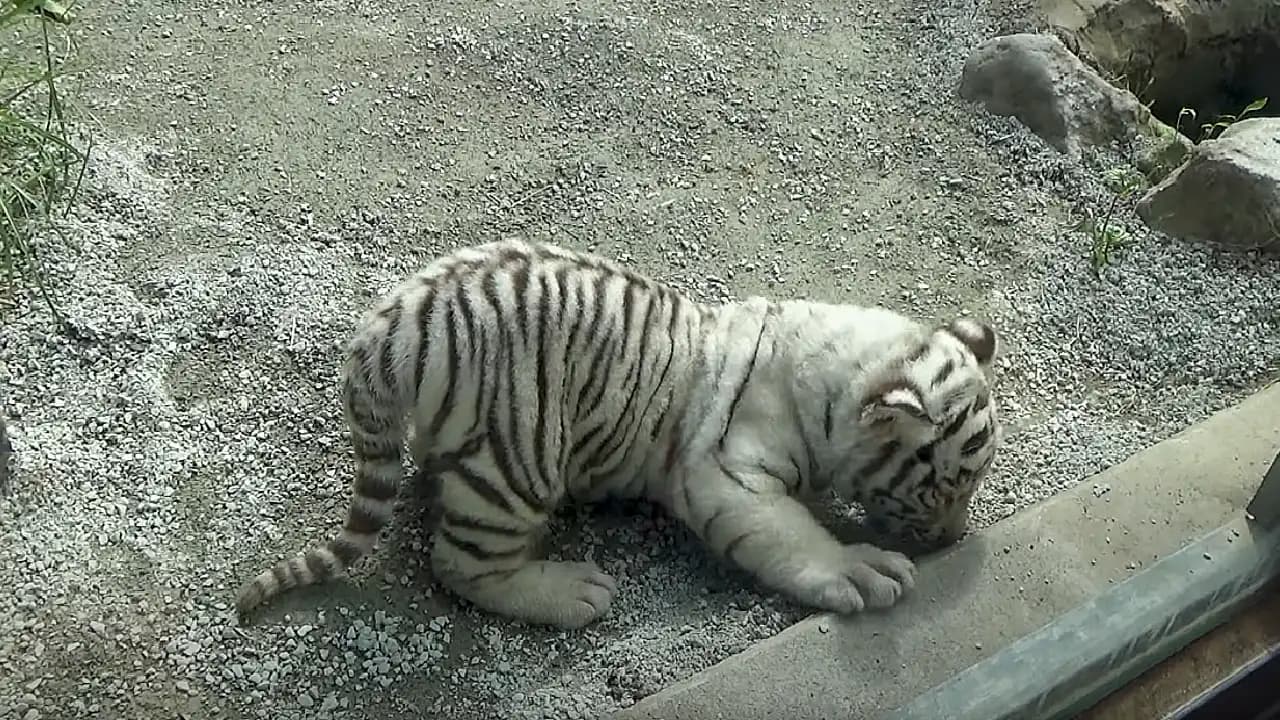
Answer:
(483, 551)
(426, 479)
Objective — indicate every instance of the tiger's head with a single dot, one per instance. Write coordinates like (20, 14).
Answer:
(930, 434)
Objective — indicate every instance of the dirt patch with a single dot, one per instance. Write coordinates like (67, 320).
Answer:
(265, 172)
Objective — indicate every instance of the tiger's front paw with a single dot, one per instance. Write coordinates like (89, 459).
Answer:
(868, 577)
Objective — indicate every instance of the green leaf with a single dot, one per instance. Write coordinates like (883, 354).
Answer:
(1254, 106)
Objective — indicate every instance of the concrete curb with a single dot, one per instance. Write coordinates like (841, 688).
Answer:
(997, 587)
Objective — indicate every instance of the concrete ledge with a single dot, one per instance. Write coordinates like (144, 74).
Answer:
(997, 587)
(1076, 660)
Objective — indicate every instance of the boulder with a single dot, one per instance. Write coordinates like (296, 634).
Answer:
(1213, 57)
(1036, 79)
(1227, 193)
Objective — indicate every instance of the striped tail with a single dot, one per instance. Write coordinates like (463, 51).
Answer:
(376, 420)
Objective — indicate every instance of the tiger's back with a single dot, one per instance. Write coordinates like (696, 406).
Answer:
(567, 363)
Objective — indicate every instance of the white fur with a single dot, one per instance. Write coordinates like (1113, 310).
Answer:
(726, 416)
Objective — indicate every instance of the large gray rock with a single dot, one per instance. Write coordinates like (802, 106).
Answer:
(1177, 53)
(1228, 191)
(1036, 79)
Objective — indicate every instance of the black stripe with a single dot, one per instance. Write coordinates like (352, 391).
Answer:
(523, 490)
(345, 551)
(281, 572)
(477, 552)
(562, 277)
(879, 461)
(980, 402)
(734, 476)
(386, 364)
(520, 286)
(791, 481)
(377, 449)
(596, 378)
(606, 340)
(827, 421)
(465, 309)
(619, 436)
(480, 486)
(795, 467)
(956, 424)
(904, 471)
(500, 575)
(364, 418)
(657, 426)
(929, 484)
(688, 496)
(473, 523)
(425, 311)
(976, 441)
(810, 461)
(355, 397)
(499, 410)
(371, 486)
(581, 443)
(597, 305)
(746, 378)
(318, 567)
(662, 377)
(944, 372)
(569, 379)
(455, 353)
(361, 521)
(517, 475)
(540, 438)
(481, 372)
(360, 351)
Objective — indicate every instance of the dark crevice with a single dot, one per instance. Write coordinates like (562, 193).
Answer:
(1214, 80)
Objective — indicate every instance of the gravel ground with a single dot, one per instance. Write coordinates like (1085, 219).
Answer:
(262, 173)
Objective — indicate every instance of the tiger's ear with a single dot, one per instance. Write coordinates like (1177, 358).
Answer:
(979, 337)
(896, 404)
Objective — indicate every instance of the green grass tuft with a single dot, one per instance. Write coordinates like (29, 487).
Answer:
(1104, 237)
(41, 163)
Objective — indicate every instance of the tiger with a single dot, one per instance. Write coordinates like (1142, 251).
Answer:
(523, 376)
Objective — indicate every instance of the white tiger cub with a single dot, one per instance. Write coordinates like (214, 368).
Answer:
(534, 375)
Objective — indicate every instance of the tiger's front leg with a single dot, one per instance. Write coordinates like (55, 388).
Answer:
(748, 518)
